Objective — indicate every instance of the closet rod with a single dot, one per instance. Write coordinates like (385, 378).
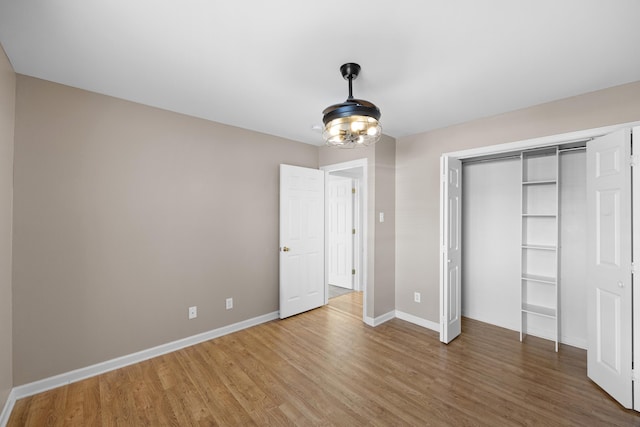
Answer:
(564, 150)
(492, 159)
(517, 156)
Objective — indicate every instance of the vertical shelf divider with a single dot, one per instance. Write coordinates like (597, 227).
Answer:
(540, 239)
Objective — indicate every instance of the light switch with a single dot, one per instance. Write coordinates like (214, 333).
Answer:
(381, 216)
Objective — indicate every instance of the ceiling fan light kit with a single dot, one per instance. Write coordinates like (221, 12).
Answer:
(353, 123)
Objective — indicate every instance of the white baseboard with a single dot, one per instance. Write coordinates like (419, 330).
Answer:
(80, 374)
(402, 316)
(380, 319)
(8, 407)
(574, 342)
(418, 321)
(566, 340)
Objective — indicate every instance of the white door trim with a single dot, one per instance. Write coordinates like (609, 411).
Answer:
(544, 141)
(635, 241)
(364, 188)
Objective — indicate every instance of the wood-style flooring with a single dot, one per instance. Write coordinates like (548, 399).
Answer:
(326, 367)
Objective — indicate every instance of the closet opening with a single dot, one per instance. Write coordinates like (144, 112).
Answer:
(556, 221)
(524, 222)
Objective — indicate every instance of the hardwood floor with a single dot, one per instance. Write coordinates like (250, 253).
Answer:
(326, 367)
(350, 303)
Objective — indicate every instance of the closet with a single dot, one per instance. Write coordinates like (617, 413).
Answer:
(523, 242)
(542, 237)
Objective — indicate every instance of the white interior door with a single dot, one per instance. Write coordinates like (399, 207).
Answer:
(609, 315)
(301, 239)
(451, 249)
(340, 231)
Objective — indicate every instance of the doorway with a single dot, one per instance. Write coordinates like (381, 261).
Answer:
(346, 231)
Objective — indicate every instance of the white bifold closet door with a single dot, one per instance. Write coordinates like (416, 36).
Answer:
(609, 283)
(451, 249)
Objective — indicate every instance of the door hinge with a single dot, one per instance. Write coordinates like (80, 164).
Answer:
(632, 160)
(353, 191)
(353, 271)
(634, 375)
(353, 231)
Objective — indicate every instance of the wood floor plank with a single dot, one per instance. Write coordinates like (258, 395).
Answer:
(326, 367)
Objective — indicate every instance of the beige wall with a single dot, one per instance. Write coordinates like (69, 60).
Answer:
(381, 196)
(126, 215)
(417, 180)
(385, 239)
(7, 114)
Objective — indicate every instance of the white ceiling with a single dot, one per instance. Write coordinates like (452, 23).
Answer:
(273, 66)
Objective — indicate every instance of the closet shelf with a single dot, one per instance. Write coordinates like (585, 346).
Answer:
(541, 182)
(539, 247)
(539, 206)
(539, 310)
(539, 279)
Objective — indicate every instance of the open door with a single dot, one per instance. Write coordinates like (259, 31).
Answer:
(340, 231)
(450, 244)
(609, 278)
(301, 240)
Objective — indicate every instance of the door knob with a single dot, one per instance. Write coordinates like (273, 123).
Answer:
(620, 284)
(285, 249)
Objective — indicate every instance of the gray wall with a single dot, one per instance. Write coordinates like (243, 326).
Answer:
(7, 113)
(126, 215)
(417, 176)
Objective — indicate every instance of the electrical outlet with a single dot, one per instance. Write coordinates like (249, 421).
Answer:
(193, 312)
(229, 303)
(416, 297)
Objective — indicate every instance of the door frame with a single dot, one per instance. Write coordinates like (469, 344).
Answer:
(360, 223)
(635, 277)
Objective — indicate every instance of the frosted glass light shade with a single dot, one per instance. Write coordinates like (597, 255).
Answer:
(352, 131)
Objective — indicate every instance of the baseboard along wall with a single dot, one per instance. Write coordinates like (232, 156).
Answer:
(83, 373)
